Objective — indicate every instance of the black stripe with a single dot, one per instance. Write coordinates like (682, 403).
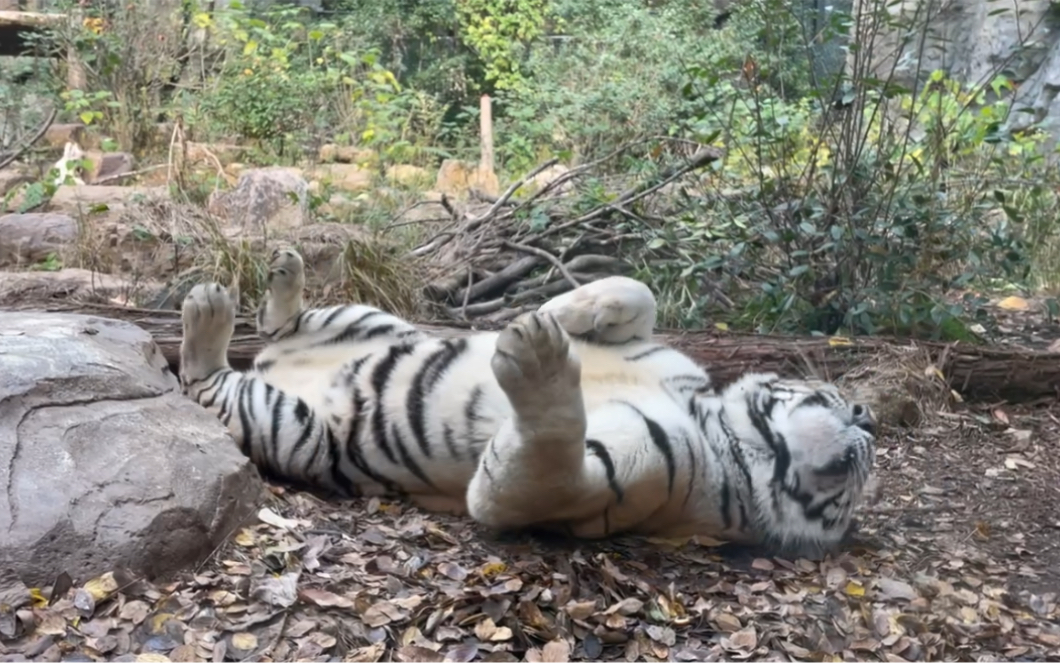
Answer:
(407, 458)
(338, 478)
(647, 353)
(244, 418)
(275, 412)
(353, 440)
(353, 330)
(384, 370)
(471, 414)
(692, 474)
(331, 316)
(449, 437)
(423, 384)
(598, 449)
(662, 443)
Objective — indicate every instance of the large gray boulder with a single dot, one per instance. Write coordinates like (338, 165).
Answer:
(103, 463)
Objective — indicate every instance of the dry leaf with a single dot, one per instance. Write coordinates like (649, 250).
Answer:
(581, 610)
(244, 538)
(742, 640)
(896, 589)
(324, 598)
(555, 651)
(414, 653)
(854, 588)
(135, 612)
(270, 517)
(763, 564)
(102, 587)
(1013, 303)
(727, 622)
(244, 641)
(280, 591)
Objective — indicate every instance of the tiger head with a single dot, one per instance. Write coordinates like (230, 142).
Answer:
(809, 454)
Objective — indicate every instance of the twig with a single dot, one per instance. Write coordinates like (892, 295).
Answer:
(704, 157)
(11, 158)
(133, 173)
(541, 253)
(509, 192)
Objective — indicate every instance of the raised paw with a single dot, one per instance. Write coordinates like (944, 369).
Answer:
(616, 309)
(208, 318)
(533, 359)
(283, 300)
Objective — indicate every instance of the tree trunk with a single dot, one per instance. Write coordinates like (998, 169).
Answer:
(977, 373)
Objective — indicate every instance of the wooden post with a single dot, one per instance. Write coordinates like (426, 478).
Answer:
(486, 133)
(486, 177)
(75, 71)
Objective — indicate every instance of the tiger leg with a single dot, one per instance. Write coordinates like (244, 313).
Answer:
(534, 468)
(616, 309)
(282, 314)
(279, 432)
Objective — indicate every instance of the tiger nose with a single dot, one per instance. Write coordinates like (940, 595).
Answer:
(863, 418)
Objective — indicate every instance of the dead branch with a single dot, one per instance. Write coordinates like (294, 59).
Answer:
(22, 149)
(541, 253)
(978, 373)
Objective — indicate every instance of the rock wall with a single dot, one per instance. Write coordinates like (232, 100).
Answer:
(973, 41)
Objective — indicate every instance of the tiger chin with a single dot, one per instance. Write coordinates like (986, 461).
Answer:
(572, 419)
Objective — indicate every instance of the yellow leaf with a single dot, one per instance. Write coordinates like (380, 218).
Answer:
(102, 587)
(854, 589)
(721, 326)
(244, 641)
(38, 598)
(493, 568)
(838, 340)
(245, 538)
(1013, 303)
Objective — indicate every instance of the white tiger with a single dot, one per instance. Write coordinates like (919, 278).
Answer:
(571, 418)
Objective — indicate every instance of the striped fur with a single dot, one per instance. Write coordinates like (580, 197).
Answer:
(571, 418)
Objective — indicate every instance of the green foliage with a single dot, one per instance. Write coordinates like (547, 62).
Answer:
(499, 31)
(285, 79)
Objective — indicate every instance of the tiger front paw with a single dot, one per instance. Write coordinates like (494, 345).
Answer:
(616, 309)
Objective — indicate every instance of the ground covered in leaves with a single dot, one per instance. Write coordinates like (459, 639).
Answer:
(959, 560)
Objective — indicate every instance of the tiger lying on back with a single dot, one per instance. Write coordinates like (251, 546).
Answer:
(570, 418)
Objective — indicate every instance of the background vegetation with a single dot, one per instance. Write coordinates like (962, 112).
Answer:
(847, 202)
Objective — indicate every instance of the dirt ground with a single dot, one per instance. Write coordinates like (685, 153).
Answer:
(959, 559)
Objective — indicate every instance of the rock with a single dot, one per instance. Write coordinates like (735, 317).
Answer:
(214, 153)
(546, 177)
(84, 200)
(59, 135)
(969, 41)
(344, 177)
(13, 176)
(72, 283)
(406, 175)
(108, 167)
(103, 463)
(262, 199)
(456, 178)
(30, 238)
(361, 156)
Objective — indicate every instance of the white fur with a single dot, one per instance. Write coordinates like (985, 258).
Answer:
(529, 427)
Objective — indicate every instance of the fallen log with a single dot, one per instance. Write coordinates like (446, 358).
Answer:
(977, 373)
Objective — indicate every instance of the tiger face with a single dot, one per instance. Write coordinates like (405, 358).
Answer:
(811, 454)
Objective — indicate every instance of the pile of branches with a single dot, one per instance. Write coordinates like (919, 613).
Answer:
(510, 255)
